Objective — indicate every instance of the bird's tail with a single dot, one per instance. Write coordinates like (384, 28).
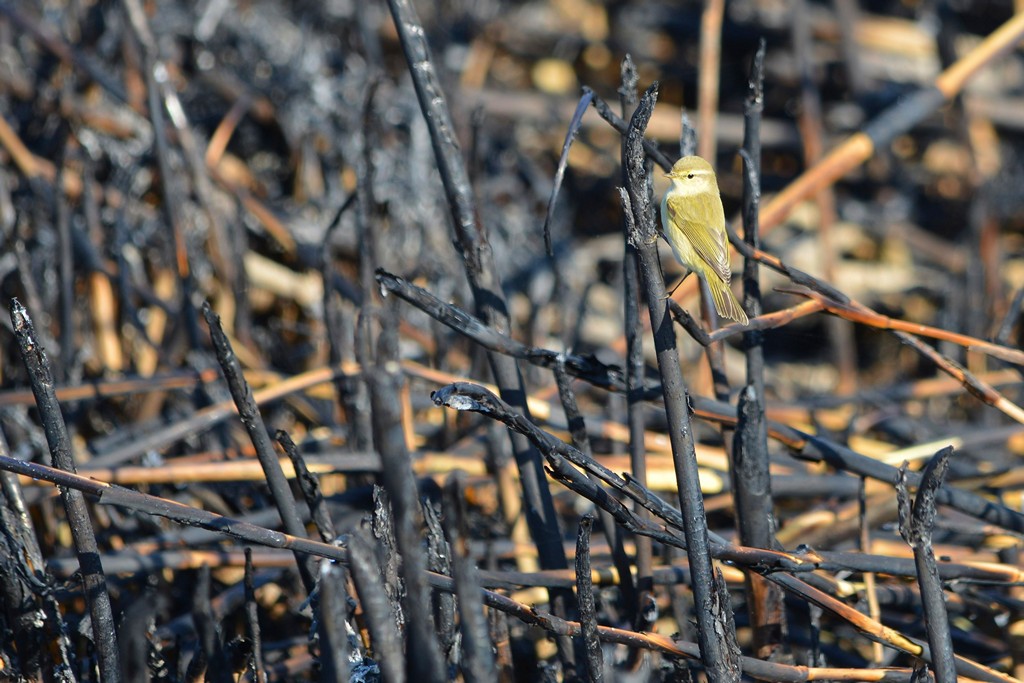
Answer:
(725, 301)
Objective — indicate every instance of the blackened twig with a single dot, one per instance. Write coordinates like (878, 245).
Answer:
(842, 458)
(334, 646)
(156, 72)
(584, 367)
(66, 267)
(57, 438)
(692, 326)
(482, 273)
(107, 494)
(389, 561)
(716, 643)
(349, 391)
(310, 487)
(818, 449)
(752, 110)
(33, 619)
(478, 664)
(619, 124)
(749, 465)
(562, 294)
(559, 455)
(687, 135)
(563, 162)
(368, 241)
(878, 631)
(580, 439)
(387, 642)
(439, 560)
(423, 657)
(916, 529)
(1013, 313)
(218, 669)
(641, 618)
(585, 597)
(252, 622)
(249, 414)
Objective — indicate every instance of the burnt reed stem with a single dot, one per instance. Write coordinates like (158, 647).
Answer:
(57, 438)
(482, 273)
(717, 644)
(252, 420)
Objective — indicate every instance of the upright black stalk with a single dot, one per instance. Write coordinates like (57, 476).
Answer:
(249, 413)
(423, 657)
(717, 642)
(252, 622)
(478, 665)
(383, 376)
(751, 481)
(171, 195)
(334, 646)
(593, 658)
(613, 533)
(753, 340)
(66, 267)
(93, 580)
(916, 528)
(641, 618)
(212, 656)
(366, 575)
(482, 274)
(309, 484)
(339, 327)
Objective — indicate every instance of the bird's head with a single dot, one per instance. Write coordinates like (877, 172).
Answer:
(692, 175)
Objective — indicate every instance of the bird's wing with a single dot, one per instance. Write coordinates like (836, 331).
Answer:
(707, 240)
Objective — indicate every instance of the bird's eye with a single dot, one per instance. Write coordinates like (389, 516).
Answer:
(689, 175)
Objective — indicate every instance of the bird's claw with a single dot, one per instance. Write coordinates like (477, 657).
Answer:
(668, 295)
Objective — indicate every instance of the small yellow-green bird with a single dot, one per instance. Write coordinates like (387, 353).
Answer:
(694, 223)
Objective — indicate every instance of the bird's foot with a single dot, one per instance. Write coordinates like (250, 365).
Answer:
(669, 294)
